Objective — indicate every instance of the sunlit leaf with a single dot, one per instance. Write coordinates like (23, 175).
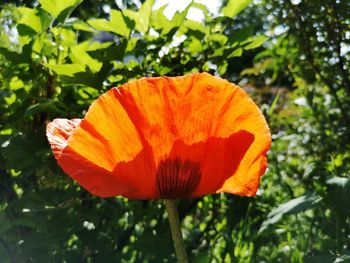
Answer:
(30, 19)
(233, 7)
(67, 69)
(341, 182)
(274, 104)
(257, 42)
(222, 68)
(80, 74)
(201, 7)
(236, 53)
(100, 24)
(79, 55)
(164, 25)
(194, 45)
(80, 25)
(68, 37)
(158, 19)
(118, 24)
(55, 7)
(142, 17)
(196, 29)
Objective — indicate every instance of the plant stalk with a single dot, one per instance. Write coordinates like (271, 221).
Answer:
(175, 227)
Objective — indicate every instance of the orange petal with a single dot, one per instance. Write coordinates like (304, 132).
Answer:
(208, 132)
(193, 109)
(89, 175)
(92, 177)
(58, 132)
(101, 146)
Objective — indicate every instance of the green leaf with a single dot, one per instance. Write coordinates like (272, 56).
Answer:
(340, 190)
(257, 42)
(45, 106)
(80, 74)
(14, 57)
(5, 223)
(30, 19)
(274, 104)
(341, 182)
(80, 25)
(142, 17)
(18, 152)
(86, 78)
(194, 45)
(145, 16)
(233, 7)
(345, 258)
(202, 257)
(219, 39)
(293, 206)
(28, 222)
(241, 35)
(222, 68)
(158, 19)
(109, 53)
(165, 26)
(56, 7)
(201, 7)
(79, 55)
(100, 24)
(236, 53)
(118, 24)
(164, 70)
(68, 37)
(196, 29)
(66, 69)
(178, 19)
(324, 257)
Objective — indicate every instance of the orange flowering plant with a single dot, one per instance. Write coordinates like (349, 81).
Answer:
(166, 138)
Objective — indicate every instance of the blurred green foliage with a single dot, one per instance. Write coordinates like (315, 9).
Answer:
(58, 56)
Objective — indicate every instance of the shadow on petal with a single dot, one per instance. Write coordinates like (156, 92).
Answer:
(201, 168)
(140, 173)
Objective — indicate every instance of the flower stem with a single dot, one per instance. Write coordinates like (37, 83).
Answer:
(175, 227)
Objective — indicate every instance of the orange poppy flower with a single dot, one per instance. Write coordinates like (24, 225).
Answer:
(166, 137)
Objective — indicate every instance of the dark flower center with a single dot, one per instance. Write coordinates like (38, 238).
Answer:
(176, 178)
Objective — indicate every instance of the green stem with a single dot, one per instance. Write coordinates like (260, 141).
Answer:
(175, 227)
